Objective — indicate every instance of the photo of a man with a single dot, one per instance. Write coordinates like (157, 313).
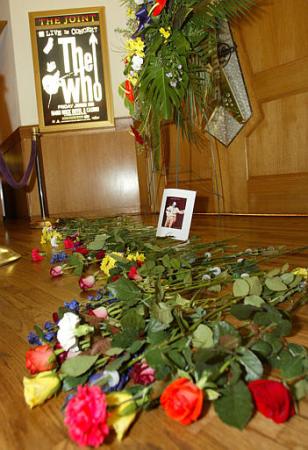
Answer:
(174, 212)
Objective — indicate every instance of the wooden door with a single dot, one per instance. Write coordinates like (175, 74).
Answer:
(265, 169)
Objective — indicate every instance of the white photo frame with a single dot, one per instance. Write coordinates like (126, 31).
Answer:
(176, 213)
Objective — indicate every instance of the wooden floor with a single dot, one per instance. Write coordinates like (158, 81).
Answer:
(28, 296)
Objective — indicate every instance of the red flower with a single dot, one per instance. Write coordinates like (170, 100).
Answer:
(129, 92)
(40, 359)
(160, 6)
(143, 374)
(68, 243)
(61, 357)
(133, 274)
(56, 271)
(83, 250)
(115, 278)
(100, 254)
(86, 416)
(87, 282)
(55, 317)
(182, 401)
(36, 255)
(138, 137)
(272, 399)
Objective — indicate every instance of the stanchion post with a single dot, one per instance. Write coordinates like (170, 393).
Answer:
(40, 182)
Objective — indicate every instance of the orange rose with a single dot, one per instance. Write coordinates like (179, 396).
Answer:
(182, 400)
(40, 358)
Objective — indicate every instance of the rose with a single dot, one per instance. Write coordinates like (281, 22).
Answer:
(272, 399)
(159, 6)
(68, 243)
(40, 388)
(56, 271)
(100, 312)
(143, 374)
(133, 274)
(66, 333)
(40, 358)
(87, 282)
(36, 255)
(86, 416)
(82, 250)
(182, 400)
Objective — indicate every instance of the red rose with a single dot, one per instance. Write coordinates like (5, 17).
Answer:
(100, 254)
(182, 400)
(133, 274)
(129, 92)
(83, 250)
(68, 243)
(138, 137)
(36, 255)
(272, 399)
(114, 278)
(40, 358)
(56, 271)
(87, 282)
(160, 6)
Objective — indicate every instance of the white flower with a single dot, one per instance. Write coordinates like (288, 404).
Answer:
(66, 333)
(54, 241)
(208, 255)
(139, 2)
(240, 260)
(216, 271)
(137, 62)
(245, 275)
(206, 277)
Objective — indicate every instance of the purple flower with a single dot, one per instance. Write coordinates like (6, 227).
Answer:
(58, 257)
(49, 326)
(49, 336)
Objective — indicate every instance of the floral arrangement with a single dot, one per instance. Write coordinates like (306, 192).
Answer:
(169, 324)
(173, 64)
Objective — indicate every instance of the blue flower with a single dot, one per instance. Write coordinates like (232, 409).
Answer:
(49, 326)
(58, 257)
(73, 305)
(123, 380)
(33, 339)
(49, 336)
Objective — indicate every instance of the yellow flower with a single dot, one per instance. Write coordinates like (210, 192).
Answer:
(130, 13)
(133, 79)
(122, 413)
(136, 257)
(165, 33)
(135, 47)
(301, 271)
(48, 233)
(40, 388)
(109, 263)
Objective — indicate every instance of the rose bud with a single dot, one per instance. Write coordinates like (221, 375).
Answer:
(40, 358)
(56, 271)
(87, 282)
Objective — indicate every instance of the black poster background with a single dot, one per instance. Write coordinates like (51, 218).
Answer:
(75, 112)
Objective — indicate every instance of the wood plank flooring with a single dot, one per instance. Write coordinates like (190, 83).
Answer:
(28, 296)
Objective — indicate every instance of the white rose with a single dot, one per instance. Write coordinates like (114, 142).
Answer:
(137, 62)
(54, 241)
(66, 333)
(139, 2)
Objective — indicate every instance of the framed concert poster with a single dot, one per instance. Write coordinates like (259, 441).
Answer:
(72, 79)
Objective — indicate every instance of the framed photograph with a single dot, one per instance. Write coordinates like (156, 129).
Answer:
(176, 213)
(71, 67)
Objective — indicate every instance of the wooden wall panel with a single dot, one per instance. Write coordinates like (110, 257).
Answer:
(86, 172)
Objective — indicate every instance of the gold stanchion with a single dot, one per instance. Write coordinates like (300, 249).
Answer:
(8, 256)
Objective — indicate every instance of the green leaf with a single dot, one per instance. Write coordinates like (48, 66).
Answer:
(226, 335)
(74, 367)
(262, 347)
(254, 300)
(252, 364)
(125, 290)
(300, 389)
(287, 278)
(235, 407)
(203, 337)
(98, 242)
(117, 363)
(114, 351)
(135, 347)
(72, 382)
(243, 312)
(163, 315)
(240, 288)
(177, 359)
(275, 284)
(132, 321)
(76, 260)
(255, 286)
(157, 337)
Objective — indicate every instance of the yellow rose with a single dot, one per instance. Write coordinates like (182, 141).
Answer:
(40, 388)
(122, 412)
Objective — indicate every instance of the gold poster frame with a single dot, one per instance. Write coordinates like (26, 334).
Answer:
(54, 14)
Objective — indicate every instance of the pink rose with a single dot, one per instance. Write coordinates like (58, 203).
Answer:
(56, 271)
(100, 312)
(87, 282)
(143, 374)
(86, 416)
